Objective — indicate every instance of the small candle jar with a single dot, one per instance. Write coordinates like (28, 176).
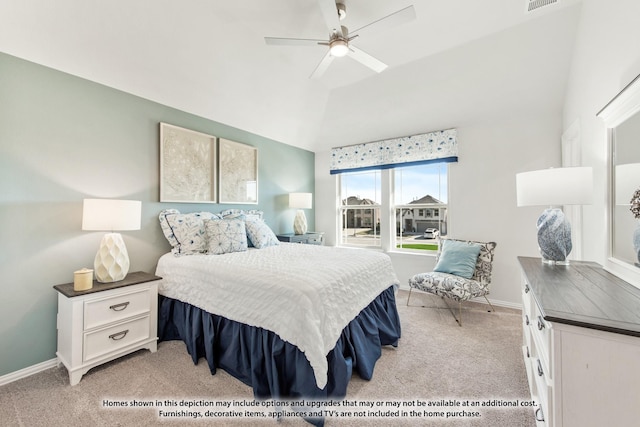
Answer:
(82, 279)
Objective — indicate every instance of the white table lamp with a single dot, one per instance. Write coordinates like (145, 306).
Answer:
(555, 187)
(300, 201)
(112, 260)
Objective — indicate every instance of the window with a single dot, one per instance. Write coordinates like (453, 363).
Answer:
(360, 208)
(420, 203)
(418, 200)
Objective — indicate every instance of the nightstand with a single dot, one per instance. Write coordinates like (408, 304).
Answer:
(105, 322)
(309, 238)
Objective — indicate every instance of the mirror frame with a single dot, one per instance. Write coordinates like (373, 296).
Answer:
(624, 105)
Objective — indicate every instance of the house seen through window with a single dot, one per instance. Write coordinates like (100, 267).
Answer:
(418, 198)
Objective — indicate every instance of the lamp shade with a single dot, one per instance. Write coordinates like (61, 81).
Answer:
(556, 186)
(300, 200)
(627, 181)
(111, 215)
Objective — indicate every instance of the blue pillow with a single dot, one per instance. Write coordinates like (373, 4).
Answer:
(458, 258)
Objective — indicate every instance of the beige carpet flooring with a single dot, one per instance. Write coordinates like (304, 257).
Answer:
(435, 361)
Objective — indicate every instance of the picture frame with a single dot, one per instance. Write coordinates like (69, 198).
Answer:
(238, 169)
(188, 162)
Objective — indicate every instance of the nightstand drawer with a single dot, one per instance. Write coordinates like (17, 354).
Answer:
(100, 312)
(111, 339)
(315, 239)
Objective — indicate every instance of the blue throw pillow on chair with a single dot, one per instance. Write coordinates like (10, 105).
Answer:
(458, 258)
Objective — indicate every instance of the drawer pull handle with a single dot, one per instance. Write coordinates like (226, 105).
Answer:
(528, 352)
(539, 415)
(540, 371)
(119, 307)
(526, 320)
(526, 288)
(540, 323)
(119, 335)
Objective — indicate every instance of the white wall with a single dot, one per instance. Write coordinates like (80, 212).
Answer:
(504, 93)
(482, 195)
(606, 58)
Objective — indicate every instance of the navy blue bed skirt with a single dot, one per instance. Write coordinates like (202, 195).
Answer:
(275, 368)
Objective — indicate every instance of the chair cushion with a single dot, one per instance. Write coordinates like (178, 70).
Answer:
(458, 257)
(449, 285)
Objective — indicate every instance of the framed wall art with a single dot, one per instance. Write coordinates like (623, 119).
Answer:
(187, 165)
(238, 165)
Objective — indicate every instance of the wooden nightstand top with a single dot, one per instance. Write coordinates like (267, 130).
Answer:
(134, 278)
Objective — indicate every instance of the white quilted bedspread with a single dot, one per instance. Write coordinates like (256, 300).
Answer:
(306, 294)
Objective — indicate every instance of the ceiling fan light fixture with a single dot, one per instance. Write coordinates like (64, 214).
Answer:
(339, 47)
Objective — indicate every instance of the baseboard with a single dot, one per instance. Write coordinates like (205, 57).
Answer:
(505, 304)
(481, 300)
(28, 371)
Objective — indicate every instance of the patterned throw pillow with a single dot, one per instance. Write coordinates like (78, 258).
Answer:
(225, 236)
(260, 234)
(185, 232)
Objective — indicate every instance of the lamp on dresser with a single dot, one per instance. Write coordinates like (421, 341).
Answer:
(300, 201)
(111, 263)
(555, 187)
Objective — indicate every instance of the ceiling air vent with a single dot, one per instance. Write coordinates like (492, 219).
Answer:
(532, 5)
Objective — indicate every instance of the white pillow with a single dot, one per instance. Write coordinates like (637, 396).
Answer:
(260, 234)
(225, 236)
(185, 232)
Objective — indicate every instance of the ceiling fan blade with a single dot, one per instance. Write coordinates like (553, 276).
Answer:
(322, 66)
(283, 41)
(366, 59)
(331, 17)
(402, 16)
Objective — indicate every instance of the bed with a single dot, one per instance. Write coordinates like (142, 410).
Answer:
(292, 321)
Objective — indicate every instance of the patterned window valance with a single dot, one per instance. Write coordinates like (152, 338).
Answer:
(432, 147)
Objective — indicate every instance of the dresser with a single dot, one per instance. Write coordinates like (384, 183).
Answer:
(309, 238)
(581, 344)
(106, 322)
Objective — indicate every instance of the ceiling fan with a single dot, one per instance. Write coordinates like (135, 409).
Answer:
(340, 38)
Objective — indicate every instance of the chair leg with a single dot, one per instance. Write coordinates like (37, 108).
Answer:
(459, 317)
(409, 297)
(490, 305)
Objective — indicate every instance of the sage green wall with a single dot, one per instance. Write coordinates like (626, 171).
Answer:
(63, 139)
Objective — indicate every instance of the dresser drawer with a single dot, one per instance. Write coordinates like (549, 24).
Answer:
(113, 338)
(100, 312)
(541, 336)
(543, 391)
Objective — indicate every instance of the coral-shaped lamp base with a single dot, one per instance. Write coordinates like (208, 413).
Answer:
(300, 222)
(112, 260)
(554, 236)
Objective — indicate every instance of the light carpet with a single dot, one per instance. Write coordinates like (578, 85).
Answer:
(436, 362)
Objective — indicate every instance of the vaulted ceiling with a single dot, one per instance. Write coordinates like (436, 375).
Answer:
(458, 62)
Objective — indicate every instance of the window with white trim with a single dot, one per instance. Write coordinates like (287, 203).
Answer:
(418, 199)
(420, 206)
(360, 195)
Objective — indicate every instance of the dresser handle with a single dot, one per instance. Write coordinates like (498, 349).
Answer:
(526, 288)
(526, 320)
(119, 307)
(539, 415)
(540, 323)
(528, 353)
(540, 371)
(119, 335)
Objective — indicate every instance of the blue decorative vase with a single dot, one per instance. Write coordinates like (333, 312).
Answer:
(554, 236)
